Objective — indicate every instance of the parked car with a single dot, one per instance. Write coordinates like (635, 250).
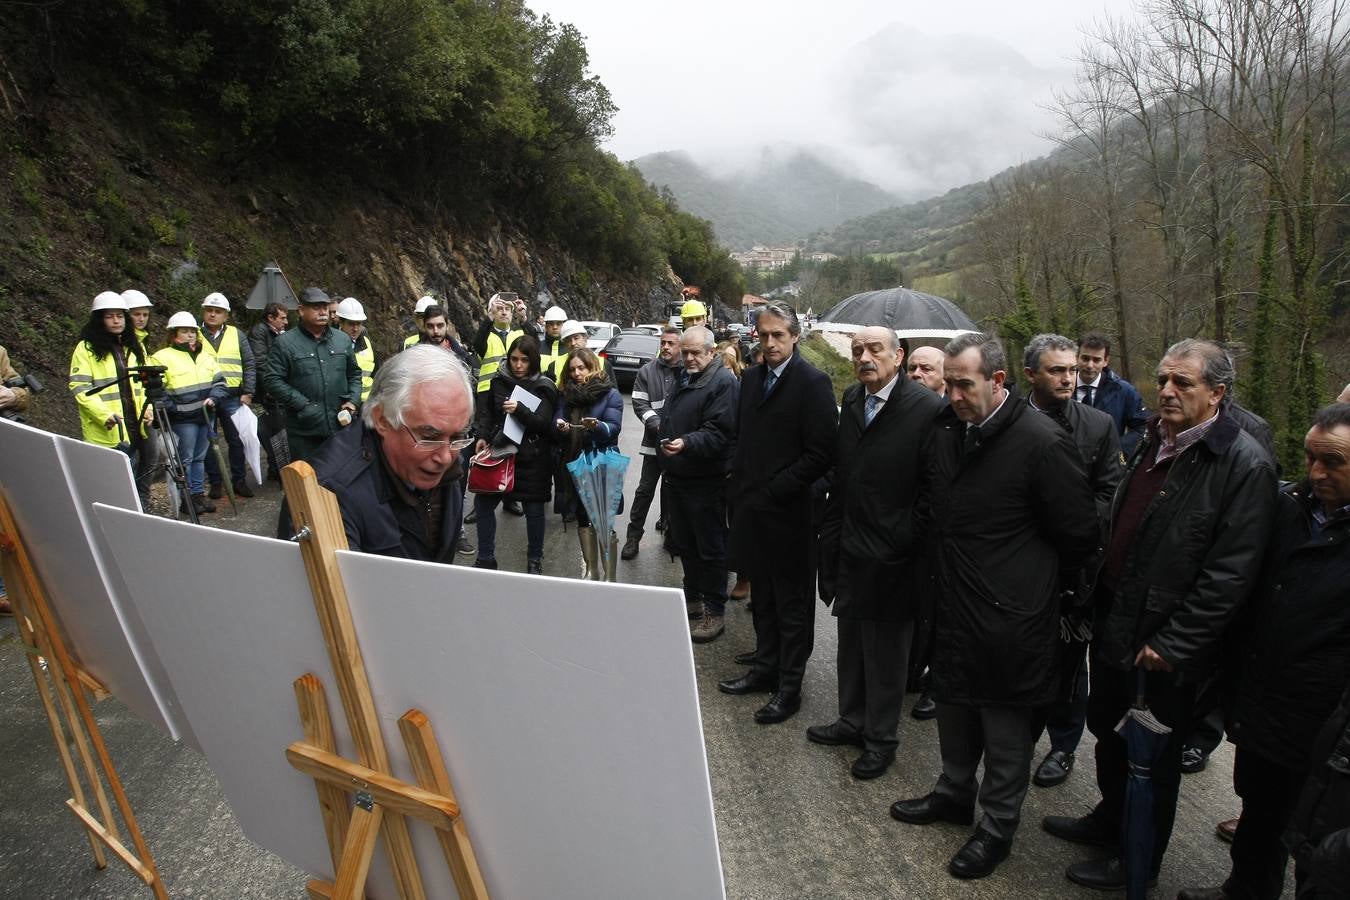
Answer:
(649, 328)
(627, 352)
(599, 333)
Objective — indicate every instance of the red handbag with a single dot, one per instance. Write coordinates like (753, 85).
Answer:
(492, 475)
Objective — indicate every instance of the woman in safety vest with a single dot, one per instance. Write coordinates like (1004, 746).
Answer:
(107, 395)
(195, 384)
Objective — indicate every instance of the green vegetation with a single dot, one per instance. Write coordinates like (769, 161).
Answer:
(818, 352)
(464, 107)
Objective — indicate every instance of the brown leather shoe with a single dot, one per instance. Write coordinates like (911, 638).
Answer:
(741, 590)
(1226, 829)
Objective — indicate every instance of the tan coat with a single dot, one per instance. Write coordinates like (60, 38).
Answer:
(8, 373)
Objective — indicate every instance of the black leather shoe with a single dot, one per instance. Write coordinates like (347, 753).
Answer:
(481, 563)
(924, 707)
(749, 683)
(744, 659)
(834, 735)
(630, 548)
(1193, 760)
(1053, 769)
(872, 764)
(932, 808)
(781, 707)
(1082, 830)
(980, 856)
(1102, 874)
(1214, 893)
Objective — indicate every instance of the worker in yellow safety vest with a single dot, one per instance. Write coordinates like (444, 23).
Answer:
(352, 319)
(551, 348)
(194, 384)
(496, 335)
(573, 335)
(112, 404)
(138, 311)
(693, 313)
(422, 305)
(234, 355)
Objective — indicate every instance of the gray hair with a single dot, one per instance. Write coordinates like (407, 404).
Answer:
(992, 357)
(700, 333)
(1031, 358)
(391, 391)
(779, 309)
(1216, 367)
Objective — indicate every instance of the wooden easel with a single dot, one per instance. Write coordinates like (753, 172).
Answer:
(380, 802)
(63, 687)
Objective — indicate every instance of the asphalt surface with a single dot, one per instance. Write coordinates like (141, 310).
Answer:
(792, 822)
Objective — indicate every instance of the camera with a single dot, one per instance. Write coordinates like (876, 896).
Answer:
(152, 379)
(23, 381)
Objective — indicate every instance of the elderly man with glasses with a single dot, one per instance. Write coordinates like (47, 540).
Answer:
(396, 471)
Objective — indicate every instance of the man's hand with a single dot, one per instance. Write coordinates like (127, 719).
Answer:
(246, 399)
(349, 406)
(209, 403)
(1151, 661)
(672, 447)
(111, 422)
(149, 415)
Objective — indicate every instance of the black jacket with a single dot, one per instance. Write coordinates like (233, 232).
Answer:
(1318, 834)
(1294, 635)
(869, 527)
(260, 339)
(784, 443)
(374, 515)
(1007, 516)
(534, 458)
(1196, 555)
(1118, 399)
(703, 413)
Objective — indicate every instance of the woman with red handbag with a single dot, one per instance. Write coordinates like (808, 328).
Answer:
(592, 416)
(533, 453)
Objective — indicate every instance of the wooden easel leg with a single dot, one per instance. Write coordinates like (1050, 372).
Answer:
(429, 767)
(313, 703)
(357, 853)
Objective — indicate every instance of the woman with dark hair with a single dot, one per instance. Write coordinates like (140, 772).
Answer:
(109, 401)
(592, 416)
(533, 452)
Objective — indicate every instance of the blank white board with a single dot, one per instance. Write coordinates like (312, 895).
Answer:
(568, 715)
(86, 597)
(567, 711)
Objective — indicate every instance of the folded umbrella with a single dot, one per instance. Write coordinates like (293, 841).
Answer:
(598, 475)
(1145, 739)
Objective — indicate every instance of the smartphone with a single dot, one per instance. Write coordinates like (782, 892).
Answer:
(667, 441)
(508, 296)
(588, 421)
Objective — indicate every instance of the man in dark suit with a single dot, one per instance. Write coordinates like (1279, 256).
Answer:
(1103, 389)
(870, 548)
(787, 420)
(1008, 508)
(1051, 366)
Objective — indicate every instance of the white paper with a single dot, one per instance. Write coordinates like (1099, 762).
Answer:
(513, 428)
(42, 493)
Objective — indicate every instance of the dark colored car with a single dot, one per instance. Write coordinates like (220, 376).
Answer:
(628, 351)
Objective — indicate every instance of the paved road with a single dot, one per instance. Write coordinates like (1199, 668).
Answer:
(791, 821)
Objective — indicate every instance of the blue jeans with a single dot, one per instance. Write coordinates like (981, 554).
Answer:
(193, 441)
(485, 506)
(225, 409)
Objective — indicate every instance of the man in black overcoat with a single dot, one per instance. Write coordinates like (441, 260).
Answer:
(870, 548)
(1050, 363)
(786, 423)
(1010, 508)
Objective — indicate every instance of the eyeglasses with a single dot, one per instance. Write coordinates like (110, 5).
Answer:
(429, 446)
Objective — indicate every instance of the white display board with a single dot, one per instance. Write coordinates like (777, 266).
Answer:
(568, 715)
(81, 586)
(567, 711)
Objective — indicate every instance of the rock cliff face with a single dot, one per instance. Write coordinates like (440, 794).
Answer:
(94, 200)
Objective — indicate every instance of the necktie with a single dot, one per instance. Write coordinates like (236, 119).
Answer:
(770, 379)
(1087, 394)
(870, 409)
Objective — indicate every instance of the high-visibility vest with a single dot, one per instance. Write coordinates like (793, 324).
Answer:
(188, 381)
(411, 339)
(95, 408)
(492, 359)
(365, 358)
(144, 337)
(228, 355)
(550, 351)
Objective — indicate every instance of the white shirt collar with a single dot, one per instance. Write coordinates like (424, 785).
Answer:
(884, 393)
(1006, 395)
(1094, 383)
(778, 369)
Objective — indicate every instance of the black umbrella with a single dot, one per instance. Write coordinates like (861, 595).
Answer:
(1145, 738)
(898, 308)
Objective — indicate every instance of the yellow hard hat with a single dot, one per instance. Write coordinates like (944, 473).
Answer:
(693, 309)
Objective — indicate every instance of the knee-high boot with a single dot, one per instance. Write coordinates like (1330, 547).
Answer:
(590, 554)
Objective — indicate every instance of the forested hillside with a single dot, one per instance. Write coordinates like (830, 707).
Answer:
(380, 150)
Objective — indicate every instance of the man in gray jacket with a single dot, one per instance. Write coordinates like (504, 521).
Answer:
(655, 383)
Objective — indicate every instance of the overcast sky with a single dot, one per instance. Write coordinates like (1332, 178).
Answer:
(916, 95)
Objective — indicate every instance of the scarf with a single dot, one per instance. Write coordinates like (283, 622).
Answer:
(579, 400)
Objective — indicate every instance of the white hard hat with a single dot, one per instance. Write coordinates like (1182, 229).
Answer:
(181, 320)
(350, 310)
(555, 314)
(135, 299)
(109, 300)
(424, 303)
(571, 327)
(216, 300)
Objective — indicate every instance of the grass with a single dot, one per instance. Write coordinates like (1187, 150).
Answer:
(818, 352)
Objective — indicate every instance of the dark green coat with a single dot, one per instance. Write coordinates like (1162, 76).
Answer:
(312, 377)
